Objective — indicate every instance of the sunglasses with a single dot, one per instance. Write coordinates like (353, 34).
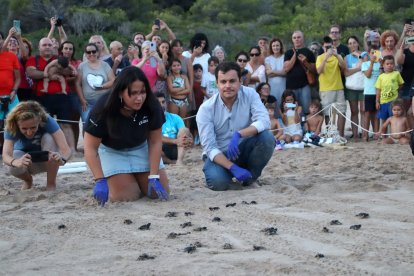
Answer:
(254, 54)
(91, 52)
(242, 60)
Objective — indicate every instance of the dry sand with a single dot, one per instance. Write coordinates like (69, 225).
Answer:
(301, 191)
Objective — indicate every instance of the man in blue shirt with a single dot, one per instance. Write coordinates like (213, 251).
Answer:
(176, 138)
(117, 60)
(234, 131)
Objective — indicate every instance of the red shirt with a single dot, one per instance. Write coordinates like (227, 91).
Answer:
(54, 86)
(8, 64)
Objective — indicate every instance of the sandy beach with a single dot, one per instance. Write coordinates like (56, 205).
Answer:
(301, 191)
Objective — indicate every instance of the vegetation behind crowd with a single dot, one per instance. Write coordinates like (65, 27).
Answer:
(235, 25)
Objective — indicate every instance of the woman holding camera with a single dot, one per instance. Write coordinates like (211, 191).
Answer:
(123, 141)
(151, 63)
(33, 143)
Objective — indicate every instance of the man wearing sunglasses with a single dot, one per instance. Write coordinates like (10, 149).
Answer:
(55, 102)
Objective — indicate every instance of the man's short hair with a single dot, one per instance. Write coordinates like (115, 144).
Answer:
(327, 39)
(227, 66)
(160, 95)
(213, 58)
(197, 66)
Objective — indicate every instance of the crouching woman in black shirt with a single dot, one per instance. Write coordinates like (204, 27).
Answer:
(123, 141)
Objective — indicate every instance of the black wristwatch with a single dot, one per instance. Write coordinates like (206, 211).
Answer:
(64, 160)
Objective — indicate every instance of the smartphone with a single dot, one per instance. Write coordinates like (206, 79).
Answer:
(197, 43)
(39, 156)
(377, 54)
(290, 105)
(157, 23)
(59, 20)
(409, 40)
(409, 21)
(16, 25)
(153, 46)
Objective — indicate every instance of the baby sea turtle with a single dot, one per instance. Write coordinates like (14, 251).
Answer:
(173, 235)
(198, 244)
(145, 226)
(190, 249)
(227, 246)
(216, 219)
(270, 231)
(214, 208)
(247, 203)
(199, 229)
(258, 247)
(188, 214)
(355, 227)
(230, 204)
(335, 222)
(326, 230)
(62, 226)
(145, 256)
(253, 202)
(186, 224)
(171, 214)
(362, 215)
(319, 255)
(127, 221)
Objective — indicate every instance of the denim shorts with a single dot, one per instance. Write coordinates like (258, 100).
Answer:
(132, 160)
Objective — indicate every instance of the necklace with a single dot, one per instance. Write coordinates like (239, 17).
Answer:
(134, 116)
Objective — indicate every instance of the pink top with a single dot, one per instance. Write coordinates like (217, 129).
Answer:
(149, 71)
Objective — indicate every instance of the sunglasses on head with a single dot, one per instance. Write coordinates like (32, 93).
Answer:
(241, 60)
(254, 54)
(91, 52)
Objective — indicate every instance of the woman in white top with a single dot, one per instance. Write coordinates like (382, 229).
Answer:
(274, 69)
(257, 70)
(198, 52)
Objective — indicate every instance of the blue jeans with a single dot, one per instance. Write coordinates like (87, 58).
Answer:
(84, 114)
(255, 153)
(303, 96)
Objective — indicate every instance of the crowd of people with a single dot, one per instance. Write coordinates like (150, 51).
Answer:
(138, 104)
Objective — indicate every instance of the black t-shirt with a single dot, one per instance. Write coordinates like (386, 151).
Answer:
(407, 72)
(132, 131)
(296, 77)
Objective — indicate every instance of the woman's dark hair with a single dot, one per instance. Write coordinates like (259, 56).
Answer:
(92, 44)
(260, 86)
(242, 53)
(113, 104)
(257, 48)
(355, 38)
(281, 45)
(63, 44)
(199, 37)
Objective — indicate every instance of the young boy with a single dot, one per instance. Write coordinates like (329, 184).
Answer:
(56, 70)
(387, 87)
(371, 69)
(209, 84)
(314, 122)
(398, 123)
(198, 91)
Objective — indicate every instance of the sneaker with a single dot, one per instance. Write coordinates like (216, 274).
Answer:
(278, 147)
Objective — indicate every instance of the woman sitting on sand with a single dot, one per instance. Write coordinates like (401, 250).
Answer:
(123, 141)
(29, 130)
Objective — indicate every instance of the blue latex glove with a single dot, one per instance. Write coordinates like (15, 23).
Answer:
(155, 184)
(239, 173)
(101, 191)
(233, 149)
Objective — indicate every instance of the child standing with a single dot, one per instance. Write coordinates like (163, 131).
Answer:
(398, 123)
(198, 100)
(371, 69)
(209, 84)
(179, 89)
(387, 87)
(291, 117)
(56, 70)
(314, 121)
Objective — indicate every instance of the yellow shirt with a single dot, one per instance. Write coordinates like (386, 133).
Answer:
(389, 83)
(330, 78)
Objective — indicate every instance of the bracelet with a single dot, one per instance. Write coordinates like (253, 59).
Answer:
(64, 160)
(153, 176)
(11, 163)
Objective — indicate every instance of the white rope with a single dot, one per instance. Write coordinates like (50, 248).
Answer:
(372, 132)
